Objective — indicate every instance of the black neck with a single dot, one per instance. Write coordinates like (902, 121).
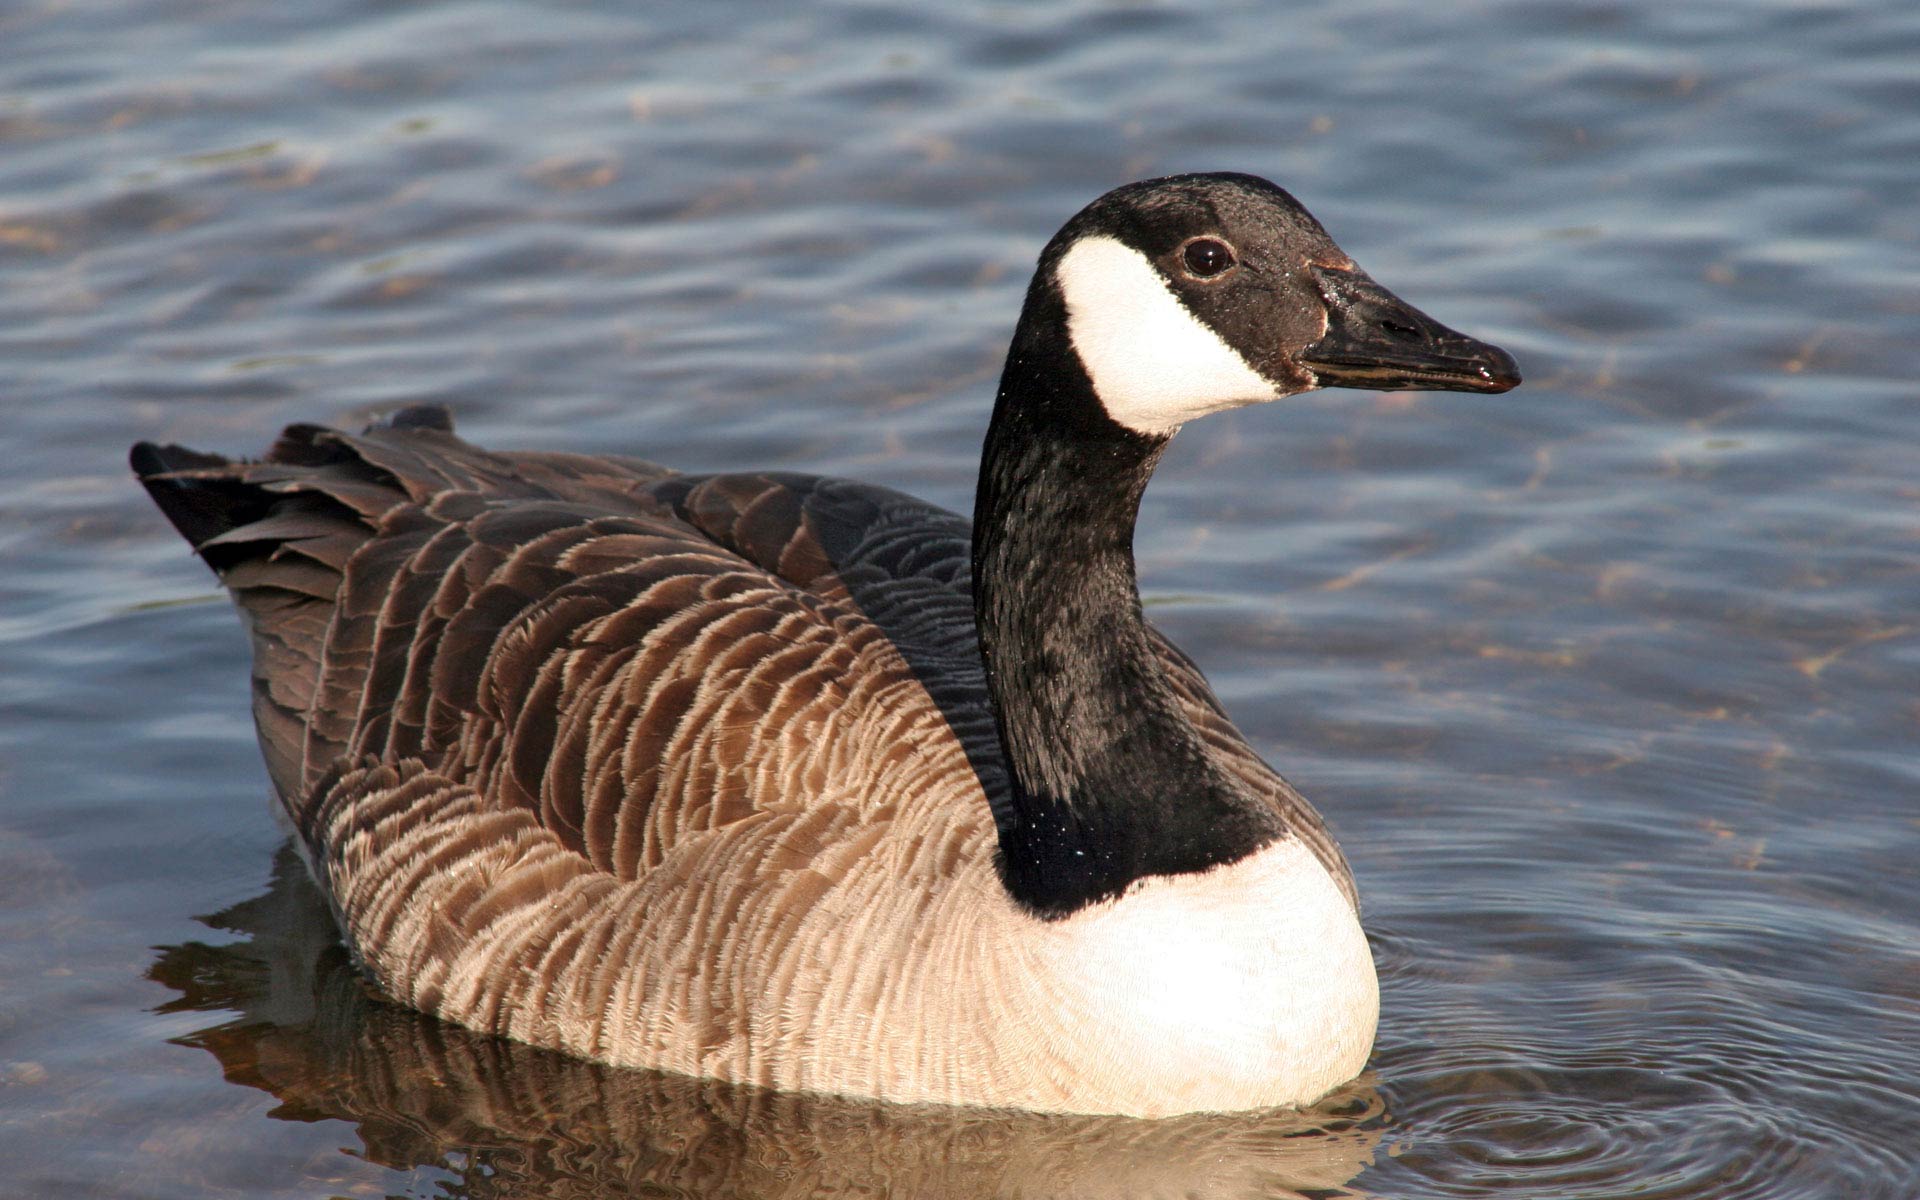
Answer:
(1109, 780)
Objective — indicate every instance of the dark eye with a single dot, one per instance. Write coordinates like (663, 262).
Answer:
(1206, 257)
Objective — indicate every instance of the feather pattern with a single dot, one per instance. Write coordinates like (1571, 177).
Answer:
(795, 781)
(693, 772)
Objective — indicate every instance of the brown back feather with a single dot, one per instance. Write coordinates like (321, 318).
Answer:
(631, 655)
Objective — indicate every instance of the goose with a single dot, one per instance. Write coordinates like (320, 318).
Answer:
(799, 782)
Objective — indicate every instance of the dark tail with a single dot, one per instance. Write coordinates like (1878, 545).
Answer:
(282, 533)
(311, 481)
(279, 533)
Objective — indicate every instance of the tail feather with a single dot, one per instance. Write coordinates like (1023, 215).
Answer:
(283, 534)
(280, 534)
(193, 490)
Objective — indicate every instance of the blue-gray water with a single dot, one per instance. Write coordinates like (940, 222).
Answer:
(1608, 685)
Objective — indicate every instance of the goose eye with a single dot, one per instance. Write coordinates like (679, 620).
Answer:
(1207, 257)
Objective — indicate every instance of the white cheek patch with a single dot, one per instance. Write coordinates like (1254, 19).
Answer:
(1154, 365)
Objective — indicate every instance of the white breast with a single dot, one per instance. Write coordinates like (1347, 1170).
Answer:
(1245, 986)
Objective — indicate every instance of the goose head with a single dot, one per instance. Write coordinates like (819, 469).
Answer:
(1189, 295)
(1158, 303)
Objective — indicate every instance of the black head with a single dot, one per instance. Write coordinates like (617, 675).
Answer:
(1196, 293)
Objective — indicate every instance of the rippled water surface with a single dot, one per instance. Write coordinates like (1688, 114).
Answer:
(1607, 685)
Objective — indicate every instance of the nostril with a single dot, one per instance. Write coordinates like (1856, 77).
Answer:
(1405, 333)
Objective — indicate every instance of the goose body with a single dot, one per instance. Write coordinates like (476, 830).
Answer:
(802, 782)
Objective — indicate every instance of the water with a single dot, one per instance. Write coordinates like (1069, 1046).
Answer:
(1607, 685)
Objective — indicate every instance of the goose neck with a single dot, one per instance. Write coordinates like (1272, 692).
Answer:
(1109, 781)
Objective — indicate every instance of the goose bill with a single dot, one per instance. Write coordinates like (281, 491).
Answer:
(1379, 342)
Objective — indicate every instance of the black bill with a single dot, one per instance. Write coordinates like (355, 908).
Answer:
(1379, 342)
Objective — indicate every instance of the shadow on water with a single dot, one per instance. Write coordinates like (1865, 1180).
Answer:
(503, 1119)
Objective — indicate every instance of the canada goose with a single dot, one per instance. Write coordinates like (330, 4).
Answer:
(799, 782)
